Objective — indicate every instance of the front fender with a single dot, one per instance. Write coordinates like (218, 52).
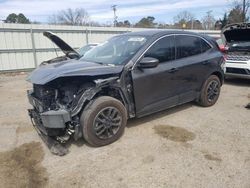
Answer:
(90, 93)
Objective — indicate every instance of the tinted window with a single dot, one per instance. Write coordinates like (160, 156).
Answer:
(187, 46)
(190, 45)
(163, 50)
(204, 46)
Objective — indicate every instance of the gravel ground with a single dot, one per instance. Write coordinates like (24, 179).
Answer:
(186, 146)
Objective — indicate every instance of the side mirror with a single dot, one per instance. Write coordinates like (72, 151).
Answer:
(148, 62)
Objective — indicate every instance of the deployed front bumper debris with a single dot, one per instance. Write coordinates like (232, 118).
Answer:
(54, 146)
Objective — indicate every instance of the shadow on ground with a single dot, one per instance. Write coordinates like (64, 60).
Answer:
(138, 121)
(238, 82)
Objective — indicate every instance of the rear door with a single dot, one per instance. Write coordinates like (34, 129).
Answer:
(192, 62)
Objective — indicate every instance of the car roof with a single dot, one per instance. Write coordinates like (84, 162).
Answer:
(161, 32)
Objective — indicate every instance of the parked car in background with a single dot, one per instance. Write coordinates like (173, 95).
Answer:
(237, 38)
(130, 75)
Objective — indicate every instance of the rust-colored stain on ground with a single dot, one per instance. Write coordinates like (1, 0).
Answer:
(21, 167)
(176, 134)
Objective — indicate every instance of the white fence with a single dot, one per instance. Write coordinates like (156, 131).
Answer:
(23, 46)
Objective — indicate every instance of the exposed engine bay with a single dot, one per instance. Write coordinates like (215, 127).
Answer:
(57, 105)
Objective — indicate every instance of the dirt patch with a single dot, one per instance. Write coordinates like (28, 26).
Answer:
(10, 123)
(11, 74)
(176, 134)
(148, 159)
(24, 129)
(212, 158)
(21, 167)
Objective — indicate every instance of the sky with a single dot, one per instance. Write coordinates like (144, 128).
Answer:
(100, 10)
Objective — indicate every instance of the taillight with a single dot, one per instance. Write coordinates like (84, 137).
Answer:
(222, 48)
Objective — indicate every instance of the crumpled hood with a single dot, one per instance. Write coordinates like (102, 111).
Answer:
(237, 32)
(46, 73)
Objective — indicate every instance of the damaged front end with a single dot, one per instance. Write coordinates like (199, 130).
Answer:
(57, 106)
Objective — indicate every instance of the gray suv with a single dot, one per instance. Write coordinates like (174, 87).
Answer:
(130, 75)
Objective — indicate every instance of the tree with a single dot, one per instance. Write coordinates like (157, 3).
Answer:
(208, 21)
(14, 18)
(146, 22)
(125, 23)
(22, 19)
(241, 7)
(78, 16)
(224, 21)
(186, 20)
(235, 15)
(219, 24)
(239, 11)
(194, 24)
(182, 18)
(11, 18)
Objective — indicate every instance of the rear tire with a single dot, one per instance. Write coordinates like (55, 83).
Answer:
(103, 121)
(210, 91)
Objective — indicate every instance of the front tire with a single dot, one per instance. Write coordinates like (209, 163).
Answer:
(210, 91)
(103, 121)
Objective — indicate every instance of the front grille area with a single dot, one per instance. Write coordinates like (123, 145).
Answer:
(238, 71)
(238, 57)
(45, 96)
(42, 92)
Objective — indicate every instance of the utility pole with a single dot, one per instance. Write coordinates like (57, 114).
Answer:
(244, 10)
(115, 17)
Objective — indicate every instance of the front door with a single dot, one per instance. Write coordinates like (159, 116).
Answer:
(154, 88)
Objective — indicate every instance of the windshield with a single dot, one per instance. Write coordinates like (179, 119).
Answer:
(85, 48)
(118, 50)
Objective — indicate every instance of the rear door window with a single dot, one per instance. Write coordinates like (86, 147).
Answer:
(190, 45)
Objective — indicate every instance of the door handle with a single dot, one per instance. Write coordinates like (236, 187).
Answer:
(173, 70)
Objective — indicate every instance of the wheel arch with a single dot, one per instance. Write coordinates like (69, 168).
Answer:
(94, 93)
(220, 76)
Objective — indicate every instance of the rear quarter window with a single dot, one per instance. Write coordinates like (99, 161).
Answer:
(204, 46)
